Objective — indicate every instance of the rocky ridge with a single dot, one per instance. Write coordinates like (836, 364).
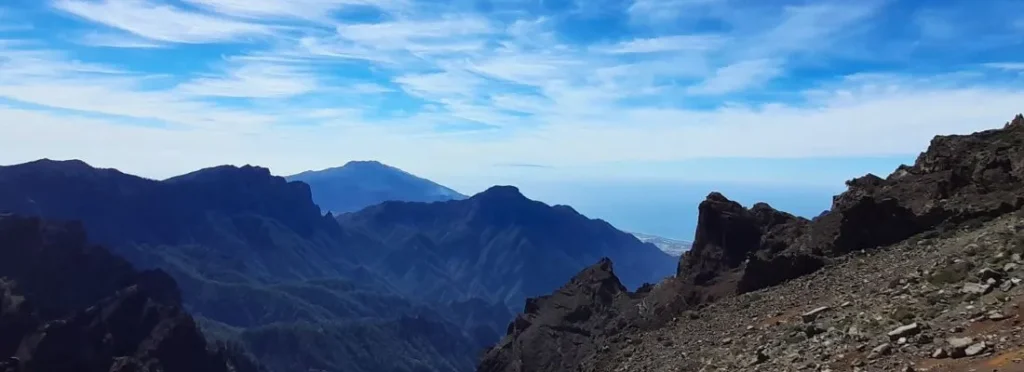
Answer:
(751, 293)
(66, 305)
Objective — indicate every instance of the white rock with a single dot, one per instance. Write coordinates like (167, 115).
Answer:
(810, 316)
(975, 288)
(976, 349)
(903, 331)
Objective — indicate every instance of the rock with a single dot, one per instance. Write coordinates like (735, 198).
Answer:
(1016, 257)
(976, 349)
(880, 350)
(957, 345)
(904, 331)
(810, 316)
(1006, 286)
(939, 353)
(1010, 267)
(759, 357)
(975, 288)
(987, 273)
(996, 316)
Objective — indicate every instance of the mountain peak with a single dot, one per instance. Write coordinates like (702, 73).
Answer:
(1018, 121)
(502, 191)
(361, 183)
(67, 167)
(367, 164)
(221, 172)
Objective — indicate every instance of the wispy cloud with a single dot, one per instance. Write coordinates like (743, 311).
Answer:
(660, 11)
(460, 86)
(738, 77)
(1009, 66)
(523, 165)
(161, 22)
(115, 40)
(253, 80)
(673, 43)
(314, 10)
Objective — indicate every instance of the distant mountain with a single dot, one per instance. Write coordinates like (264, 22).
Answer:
(497, 245)
(359, 184)
(671, 246)
(256, 262)
(71, 306)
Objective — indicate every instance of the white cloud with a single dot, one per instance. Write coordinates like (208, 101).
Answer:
(254, 80)
(49, 78)
(114, 40)
(161, 22)
(908, 116)
(661, 11)
(316, 10)
(440, 85)
(738, 77)
(813, 28)
(1009, 66)
(666, 44)
(399, 89)
(416, 34)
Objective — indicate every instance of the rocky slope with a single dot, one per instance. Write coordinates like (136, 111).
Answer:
(68, 306)
(911, 263)
(360, 184)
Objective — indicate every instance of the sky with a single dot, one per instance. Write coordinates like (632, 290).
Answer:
(554, 95)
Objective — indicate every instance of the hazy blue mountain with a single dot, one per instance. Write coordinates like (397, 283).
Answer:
(359, 184)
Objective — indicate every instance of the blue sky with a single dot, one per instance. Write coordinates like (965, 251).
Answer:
(765, 92)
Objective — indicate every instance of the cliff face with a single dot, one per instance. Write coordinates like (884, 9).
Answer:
(556, 330)
(959, 181)
(66, 305)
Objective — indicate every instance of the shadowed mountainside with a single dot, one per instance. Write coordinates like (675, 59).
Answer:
(497, 245)
(252, 253)
(71, 306)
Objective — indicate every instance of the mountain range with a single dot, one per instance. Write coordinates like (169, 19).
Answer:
(397, 286)
(360, 184)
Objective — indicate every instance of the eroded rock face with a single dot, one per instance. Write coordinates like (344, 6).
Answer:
(560, 330)
(959, 179)
(738, 249)
(69, 306)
